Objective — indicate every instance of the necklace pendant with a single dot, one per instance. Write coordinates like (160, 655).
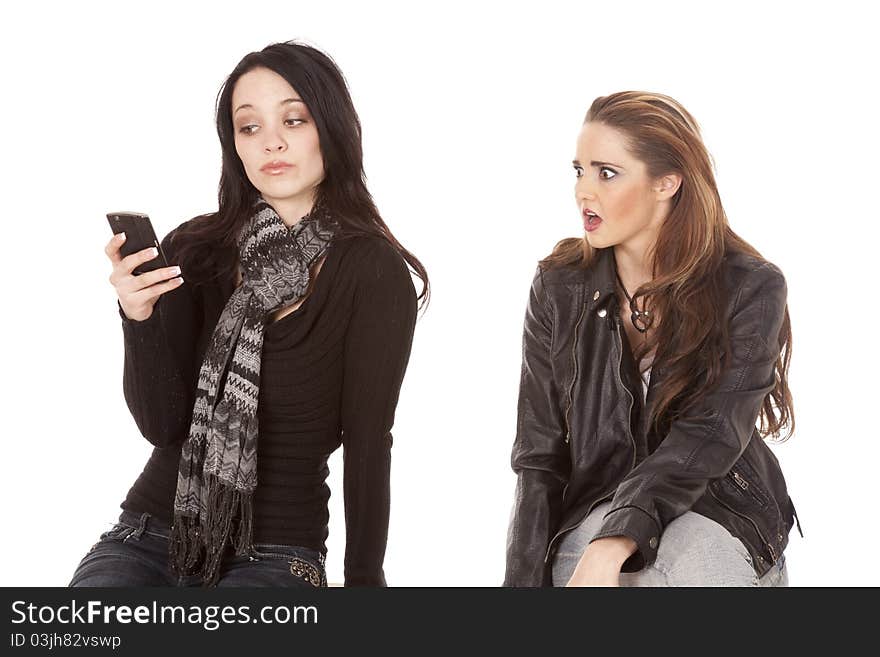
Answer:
(640, 324)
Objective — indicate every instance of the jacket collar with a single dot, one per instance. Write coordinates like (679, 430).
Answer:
(603, 281)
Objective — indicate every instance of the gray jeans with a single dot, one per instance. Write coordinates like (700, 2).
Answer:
(693, 551)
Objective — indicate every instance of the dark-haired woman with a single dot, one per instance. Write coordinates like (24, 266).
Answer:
(651, 348)
(287, 334)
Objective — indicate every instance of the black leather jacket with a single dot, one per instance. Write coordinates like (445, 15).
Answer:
(582, 435)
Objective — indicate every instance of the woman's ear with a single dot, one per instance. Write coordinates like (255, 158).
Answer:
(666, 186)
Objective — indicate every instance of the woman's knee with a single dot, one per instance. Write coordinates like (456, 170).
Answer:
(697, 551)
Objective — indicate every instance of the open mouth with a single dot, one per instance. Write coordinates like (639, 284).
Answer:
(591, 220)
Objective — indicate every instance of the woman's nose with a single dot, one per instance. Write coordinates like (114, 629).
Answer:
(583, 190)
(274, 145)
(273, 142)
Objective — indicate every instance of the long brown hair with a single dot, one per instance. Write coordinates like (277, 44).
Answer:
(206, 246)
(687, 290)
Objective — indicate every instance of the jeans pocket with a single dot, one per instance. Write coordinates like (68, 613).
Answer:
(308, 571)
(304, 563)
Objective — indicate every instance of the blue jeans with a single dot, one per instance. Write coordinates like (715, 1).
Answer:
(693, 551)
(135, 553)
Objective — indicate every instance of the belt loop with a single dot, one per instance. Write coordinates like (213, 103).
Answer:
(143, 525)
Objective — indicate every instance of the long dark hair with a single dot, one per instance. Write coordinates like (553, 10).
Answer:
(686, 290)
(206, 246)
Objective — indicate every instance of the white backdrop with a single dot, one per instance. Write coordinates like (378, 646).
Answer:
(470, 114)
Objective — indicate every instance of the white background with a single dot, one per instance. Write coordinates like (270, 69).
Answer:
(470, 114)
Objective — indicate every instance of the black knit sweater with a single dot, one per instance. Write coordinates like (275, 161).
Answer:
(331, 372)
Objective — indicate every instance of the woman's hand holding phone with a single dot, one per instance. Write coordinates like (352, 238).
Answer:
(138, 292)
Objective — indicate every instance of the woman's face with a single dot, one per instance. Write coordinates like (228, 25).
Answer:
(273, 125)
(615, 186)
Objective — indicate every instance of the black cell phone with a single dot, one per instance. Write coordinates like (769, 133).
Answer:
(139, 235)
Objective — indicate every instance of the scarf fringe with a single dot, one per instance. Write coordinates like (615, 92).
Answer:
(198, 546)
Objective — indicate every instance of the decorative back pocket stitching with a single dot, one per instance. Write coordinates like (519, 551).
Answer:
(306, 570)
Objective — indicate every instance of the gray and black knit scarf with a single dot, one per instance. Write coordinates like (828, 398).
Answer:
(217, 475)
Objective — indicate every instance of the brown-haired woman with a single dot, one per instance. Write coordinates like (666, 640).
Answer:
(651, 347)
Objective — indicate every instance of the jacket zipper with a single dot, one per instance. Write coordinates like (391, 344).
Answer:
(738, 479)
(574, 374)
(744, 484)
(628, 430)
(620, 381)
(769, 545)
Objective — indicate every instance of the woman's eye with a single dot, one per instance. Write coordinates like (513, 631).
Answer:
(578, 172)
(250, 128)
(607, 174)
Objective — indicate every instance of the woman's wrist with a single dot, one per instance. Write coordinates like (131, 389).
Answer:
(613, 549)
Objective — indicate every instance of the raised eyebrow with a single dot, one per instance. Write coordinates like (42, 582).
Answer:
(286, 101)
(596, 163)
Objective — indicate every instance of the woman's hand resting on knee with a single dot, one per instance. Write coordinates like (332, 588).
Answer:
(601, 562)
(138, 293)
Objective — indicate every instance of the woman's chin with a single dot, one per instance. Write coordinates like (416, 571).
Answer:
(595, 241)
